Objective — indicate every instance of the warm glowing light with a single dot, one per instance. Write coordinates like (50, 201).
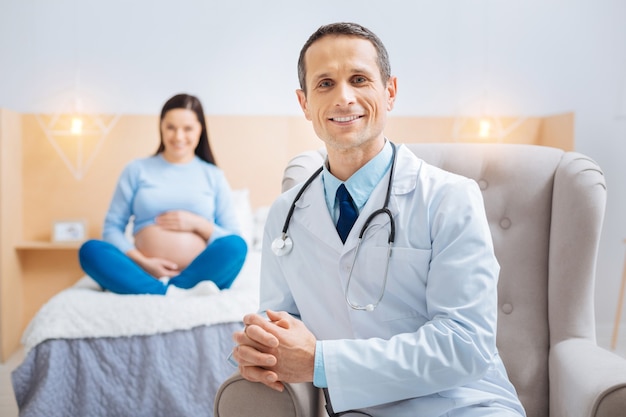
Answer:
(484, 128)
(77, 126)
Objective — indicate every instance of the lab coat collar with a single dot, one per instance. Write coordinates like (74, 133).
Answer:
(316, 218)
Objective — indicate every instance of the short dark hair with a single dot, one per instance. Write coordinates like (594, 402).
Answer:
(346, 29)
(189, 102)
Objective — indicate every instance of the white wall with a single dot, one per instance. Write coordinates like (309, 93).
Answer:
(529, 57)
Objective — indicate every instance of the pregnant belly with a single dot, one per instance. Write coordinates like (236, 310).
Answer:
(179, 247)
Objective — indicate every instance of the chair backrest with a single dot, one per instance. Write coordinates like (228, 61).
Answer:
(545, 209)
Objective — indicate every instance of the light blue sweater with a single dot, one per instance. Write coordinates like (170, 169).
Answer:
(151, 186)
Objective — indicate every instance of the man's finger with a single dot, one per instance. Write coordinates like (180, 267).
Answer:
(261, 335)
(261, 330)
(268, 378)
(242, 339)
(248, 355)
(280, 318)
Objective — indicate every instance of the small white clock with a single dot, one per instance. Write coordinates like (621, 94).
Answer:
(69, 231)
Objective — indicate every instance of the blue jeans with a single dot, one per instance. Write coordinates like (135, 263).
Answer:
(219, 262)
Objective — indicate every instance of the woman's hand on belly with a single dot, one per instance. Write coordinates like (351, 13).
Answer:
(157, 267)
(185, 221)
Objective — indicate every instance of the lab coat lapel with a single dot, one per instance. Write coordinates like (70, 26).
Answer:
(313, 215)
(404, 182)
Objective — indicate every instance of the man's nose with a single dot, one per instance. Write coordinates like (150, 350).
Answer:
(344, 94)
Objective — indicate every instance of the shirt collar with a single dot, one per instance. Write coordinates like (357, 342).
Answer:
(361, 184)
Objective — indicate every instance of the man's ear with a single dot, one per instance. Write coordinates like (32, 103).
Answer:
(303, 104)
(392, 88)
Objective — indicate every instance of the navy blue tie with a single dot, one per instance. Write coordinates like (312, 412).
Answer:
(347, 212)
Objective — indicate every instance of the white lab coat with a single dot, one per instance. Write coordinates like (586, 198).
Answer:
(429, 347)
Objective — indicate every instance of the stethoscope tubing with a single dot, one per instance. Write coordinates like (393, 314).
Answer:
(295, 200)
(283, 244)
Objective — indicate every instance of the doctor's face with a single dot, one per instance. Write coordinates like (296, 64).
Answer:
(346, 99)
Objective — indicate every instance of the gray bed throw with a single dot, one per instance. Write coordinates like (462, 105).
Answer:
(163, 375)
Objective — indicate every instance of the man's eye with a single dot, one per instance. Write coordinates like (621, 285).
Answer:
(359, 80)
(325, 83)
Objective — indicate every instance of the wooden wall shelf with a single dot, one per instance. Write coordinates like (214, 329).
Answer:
(37, 245)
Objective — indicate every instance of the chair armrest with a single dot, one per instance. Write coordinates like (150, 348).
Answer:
(238, 397)
(586, 380)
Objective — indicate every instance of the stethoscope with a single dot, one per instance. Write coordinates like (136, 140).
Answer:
(283, 244)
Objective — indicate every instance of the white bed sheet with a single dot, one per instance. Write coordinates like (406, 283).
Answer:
(85, 311)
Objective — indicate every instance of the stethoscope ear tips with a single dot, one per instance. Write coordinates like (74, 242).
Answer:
(282, 245)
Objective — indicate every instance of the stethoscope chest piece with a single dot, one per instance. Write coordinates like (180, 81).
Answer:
(282, 245)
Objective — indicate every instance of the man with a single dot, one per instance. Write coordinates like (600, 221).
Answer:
(416, 338)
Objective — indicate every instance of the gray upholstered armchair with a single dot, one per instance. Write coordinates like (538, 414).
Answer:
(545, 208)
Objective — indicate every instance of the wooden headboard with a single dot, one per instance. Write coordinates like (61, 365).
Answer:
(252, 150)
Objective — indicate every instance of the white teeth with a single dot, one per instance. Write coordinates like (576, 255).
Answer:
(345, 119)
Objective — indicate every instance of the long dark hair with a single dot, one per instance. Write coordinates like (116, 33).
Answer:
(189, 102)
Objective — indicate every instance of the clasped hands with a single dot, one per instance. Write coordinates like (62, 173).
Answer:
(275, 350)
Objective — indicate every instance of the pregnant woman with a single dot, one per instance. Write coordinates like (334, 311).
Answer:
(185, 228)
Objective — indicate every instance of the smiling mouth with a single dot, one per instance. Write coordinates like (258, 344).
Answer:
(345, 119)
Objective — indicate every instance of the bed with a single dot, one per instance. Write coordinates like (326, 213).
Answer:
(90, 352)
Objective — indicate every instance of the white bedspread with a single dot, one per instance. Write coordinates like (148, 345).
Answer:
(84, 310)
